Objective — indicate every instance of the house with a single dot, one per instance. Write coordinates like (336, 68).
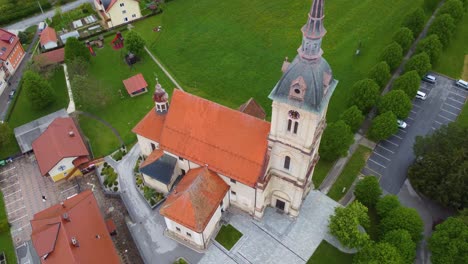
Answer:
(117, 12)
(262, 164)
(60, 150)
(48, 38)
(11, 55)
(73, 232)
(136, 85)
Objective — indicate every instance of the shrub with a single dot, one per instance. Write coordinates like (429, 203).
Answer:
(403, 218)
(443, 26)
(408, 83)
(116, 189)
(364, 94)
(380, 73)
(386, 204)
(420, 63)
(368, 191)
(397, 102)
(415, 21)
(381, 253)
(383, 126)
(336, 140)
(353, 117)
(404, 37)
(344, 225)
(393, 55)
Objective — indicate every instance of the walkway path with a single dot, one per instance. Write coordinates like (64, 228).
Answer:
(71, 104)
(116, 133)
(163, 69)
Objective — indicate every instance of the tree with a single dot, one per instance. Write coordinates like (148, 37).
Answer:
(397, 102)
(404, 37)
(386, 204)
(454, 8)
(353, 117)
(74, 48)
(449, 242)
(364, 94)
(368, 191)
(383, 126)
(6, 135)
(443, 26)
(408, 83)
(393, 55)
(420, 63)
(432, 46)
(401, 240)
(38, 90)
(336, 140)
(430, 5)
(380, 73)
(23, 36)
(403, 218)
(439, 170)
(135, 43)
(415, 21)
(344, 225)
(378, 253)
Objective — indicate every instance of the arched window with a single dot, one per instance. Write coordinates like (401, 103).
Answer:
(289, 125)
(296, 125)
(287, 162)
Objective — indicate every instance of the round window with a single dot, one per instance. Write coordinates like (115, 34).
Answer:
(297, 91)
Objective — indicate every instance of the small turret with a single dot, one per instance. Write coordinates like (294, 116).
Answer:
(161, 99)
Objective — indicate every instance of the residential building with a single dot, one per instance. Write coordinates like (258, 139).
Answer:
(263, 164)
(73, 232)
(117, 12)
(11, 55)
(60, 150)
(48, 38)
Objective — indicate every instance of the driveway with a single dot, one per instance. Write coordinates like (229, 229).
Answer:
(392, 157)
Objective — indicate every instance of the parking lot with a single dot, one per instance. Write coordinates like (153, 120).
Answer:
(391, 157)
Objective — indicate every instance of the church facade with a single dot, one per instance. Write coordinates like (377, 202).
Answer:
(207, 157)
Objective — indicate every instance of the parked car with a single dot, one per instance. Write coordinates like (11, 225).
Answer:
(12, 94)
(421, 95)
(463, 84)
(401, 124)
(41, 26)
(429, 78)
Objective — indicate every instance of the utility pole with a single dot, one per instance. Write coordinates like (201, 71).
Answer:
(39, 3)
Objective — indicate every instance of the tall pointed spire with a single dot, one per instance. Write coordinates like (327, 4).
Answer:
(313, 32)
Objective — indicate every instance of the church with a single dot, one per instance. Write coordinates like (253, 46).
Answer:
(207, 157)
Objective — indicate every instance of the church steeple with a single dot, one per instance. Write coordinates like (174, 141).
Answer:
(313, 32)
(161, 99)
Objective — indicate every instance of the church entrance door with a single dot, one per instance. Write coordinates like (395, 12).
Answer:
(280, 205)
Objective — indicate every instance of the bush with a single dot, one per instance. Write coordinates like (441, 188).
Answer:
(420, 63)
(432, 46)
(397, 102)
(383, 126)
(381, 253)
(380, 73)
(344, 225)
(368, 191)
(393, 55)
(353, 117)
(454, 8)
(403, 218)
(386, 204)
(336, 140)
(443, 26)
(116, 189)
(401, 240)
(404, 37)
(408, 83)
(415, 21)
(364, 94)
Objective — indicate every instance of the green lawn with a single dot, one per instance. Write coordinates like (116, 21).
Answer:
(122, 112)
(320, 172)
(463, 117)
(328, 254)
(349, 173)
(228, 51)
(228, 236)
(6, 243)
(451, 61)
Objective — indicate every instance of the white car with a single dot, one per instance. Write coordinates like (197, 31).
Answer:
(401, 124)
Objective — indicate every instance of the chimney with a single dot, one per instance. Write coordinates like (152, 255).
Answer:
(71, 133)
(66, 217)
(75, 242)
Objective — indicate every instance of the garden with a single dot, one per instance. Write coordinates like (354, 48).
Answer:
(109, 178)
(228, 236)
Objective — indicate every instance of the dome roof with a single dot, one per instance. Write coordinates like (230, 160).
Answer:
(160, 95)
(305, 84)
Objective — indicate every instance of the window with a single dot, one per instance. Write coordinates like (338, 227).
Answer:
(153, 146)
(134, 15)
(181, 159)
(289, 125)
(62, 168)
(125, 19)
(188, 234)
(296, 125)
(233, 181)
(124, 12)
(183, 172)
(122, 4)
(287, 162)
(233, 193)
(178, 229)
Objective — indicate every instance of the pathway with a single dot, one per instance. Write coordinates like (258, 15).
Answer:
(163, 69)
(71, 104)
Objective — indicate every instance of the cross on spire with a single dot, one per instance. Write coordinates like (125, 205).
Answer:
(313, 32)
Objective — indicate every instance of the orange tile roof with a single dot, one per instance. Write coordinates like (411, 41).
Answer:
(135, 83)
(229, 142)
(51, 57)
(52, 234)
(150, 126)
(48, 35)
(56, 143)
(8, 41)
(251, 107)
(195, 199)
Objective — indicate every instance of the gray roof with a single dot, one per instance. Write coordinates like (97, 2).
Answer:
(27, 133)
(313, 74)
(106, 3)
(161, 169)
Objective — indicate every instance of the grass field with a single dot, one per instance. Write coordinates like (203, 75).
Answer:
(6, 244)
(228, 236)
(321, 171)
(328, 254)
(349, 173)
(100, 137)
(230, 51)
(451, 61)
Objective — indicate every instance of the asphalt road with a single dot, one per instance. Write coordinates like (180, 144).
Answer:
(392, 157)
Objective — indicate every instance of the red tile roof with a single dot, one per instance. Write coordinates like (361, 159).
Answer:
(195, 199)
(251, 107)
(8, 42)
(52, 234)
(229, 142)
(135, 83)
(150, 126)
(60, 140)
(51, 57)
(48, 35)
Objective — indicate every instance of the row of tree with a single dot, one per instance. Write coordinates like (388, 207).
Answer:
(400, 228)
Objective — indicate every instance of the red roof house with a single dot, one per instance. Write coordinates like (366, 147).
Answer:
(73, 232)
(136, 85)
(48, 38)
(11, 52)
(52, 57)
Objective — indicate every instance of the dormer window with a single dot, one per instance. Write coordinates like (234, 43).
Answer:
(297, 89)
(12, 39)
